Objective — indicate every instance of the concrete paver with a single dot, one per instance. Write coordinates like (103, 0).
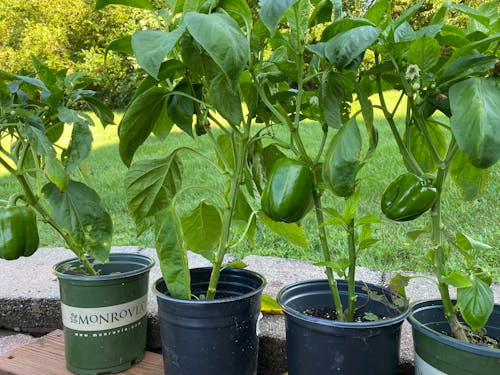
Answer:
(29, 300)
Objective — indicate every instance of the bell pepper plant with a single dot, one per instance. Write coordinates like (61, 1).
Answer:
(38, 112)
(234, 74)
(446, 79)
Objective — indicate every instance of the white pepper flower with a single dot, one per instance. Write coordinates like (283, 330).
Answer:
(412, 72)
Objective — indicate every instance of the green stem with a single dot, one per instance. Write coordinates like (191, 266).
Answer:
(351, 304)
(439, 259)
(332, 283)
(235, 181)
(413, 165)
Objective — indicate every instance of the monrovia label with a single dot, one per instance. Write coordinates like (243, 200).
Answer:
(423, 368)
(103, 318)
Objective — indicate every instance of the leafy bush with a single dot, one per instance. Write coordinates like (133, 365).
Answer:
(69, 33)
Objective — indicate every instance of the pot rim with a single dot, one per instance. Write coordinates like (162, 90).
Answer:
(254, 292)
(327, 322)
(431, 304)
(144, 262)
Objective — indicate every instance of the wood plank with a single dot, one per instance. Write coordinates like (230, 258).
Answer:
(45, 356)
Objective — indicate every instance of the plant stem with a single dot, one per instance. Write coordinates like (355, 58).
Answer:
(439, 259)
(240, 160)
(332, 283)
(351, 304)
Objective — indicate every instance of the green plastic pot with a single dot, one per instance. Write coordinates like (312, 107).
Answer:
(104, 316)
(438, 354)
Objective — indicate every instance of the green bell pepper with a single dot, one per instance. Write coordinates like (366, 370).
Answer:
(18, 230)
(287, 195)
(407, 197)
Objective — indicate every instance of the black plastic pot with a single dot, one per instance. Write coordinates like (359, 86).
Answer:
(320, 346)
(216, 337)
(437, 353)
(105, 316)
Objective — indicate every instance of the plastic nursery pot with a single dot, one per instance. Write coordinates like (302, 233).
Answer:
(213, 337)
(104, 316)
(438, 354)
(321, 346)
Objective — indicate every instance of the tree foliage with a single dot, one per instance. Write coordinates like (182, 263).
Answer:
(70, 34)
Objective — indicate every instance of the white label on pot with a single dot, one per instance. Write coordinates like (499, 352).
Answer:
(104, 318)
(423, 368)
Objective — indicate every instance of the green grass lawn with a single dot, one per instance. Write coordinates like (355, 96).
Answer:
(480, 219)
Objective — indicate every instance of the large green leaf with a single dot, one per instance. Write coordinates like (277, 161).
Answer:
(238, 9)
(424, 52)
(79, 146)
(344, 48)
(139, 120)
(420, 148)
(144, 4)
(103, 112)
(331, 98)
(471, 182)
(220, 36)
(476, 303)
(475, 120)
(181, 107)
(123, 45)
(291, 232)
(466, 66)
(152, 46)
(225, 97)
(80, 212)
(149, 188)
(271, 11)
(202, 227)
(53, 168)
(172, 254)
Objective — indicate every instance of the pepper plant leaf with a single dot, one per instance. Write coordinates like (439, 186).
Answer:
(80, 212)
(476, 303)
(331, 98)
(475, 120)
(53, 169)
(220, 36)
(150, 186)
(202, 227)
(420, 149)
(471, 182)
(424, 52)
(225, 97)
(291, 232)
(171, 251)
(344, 48)
(238, 9)
(271, 12)
(139, 120)
(151, 47)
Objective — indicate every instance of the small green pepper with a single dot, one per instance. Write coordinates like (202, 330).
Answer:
(287, 196)
(407, 197)
(18, 231)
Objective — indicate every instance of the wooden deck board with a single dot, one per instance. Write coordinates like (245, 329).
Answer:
(45, 356)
